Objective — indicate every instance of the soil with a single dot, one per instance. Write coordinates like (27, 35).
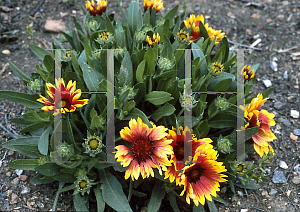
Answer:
(275, 22)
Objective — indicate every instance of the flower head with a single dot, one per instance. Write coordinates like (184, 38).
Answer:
(193, 22)
(156, 38)
(83, 184)
(139, 36)
(201, 179)
(248, 75)
(105, 38)
(187, 101)
(217, 68)
(93, 145)
(178, 145)
(224, 145)
(262, 119)
(148, 149)
(165, 63)
(221, 103)
(183, 36)
(214, 33)
(96, 9)
(35, 86)
(69, 97)
(158, 4)
(240, 168)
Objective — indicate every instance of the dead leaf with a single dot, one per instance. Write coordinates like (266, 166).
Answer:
(255, 16)
(55, 25)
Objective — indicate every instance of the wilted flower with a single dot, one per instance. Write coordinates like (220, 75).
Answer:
(158, 4)
(217, 68)
(165, 63)
(183, 36)
(149, 148)
(42, 160)
(69, 97)
(150, 42)
(96, 9)
(105, 38)
(221, 103)
(148, 29)
(248, 75)
(127, 88)
(224, 145)
(93, 145)
(201, 179)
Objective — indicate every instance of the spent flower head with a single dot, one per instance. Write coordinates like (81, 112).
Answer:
(221, 103)
(140, 36)
(224, 145)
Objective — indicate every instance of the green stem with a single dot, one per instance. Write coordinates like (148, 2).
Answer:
(179, 114)
(130, 191)
(122, 10)
(60, 185)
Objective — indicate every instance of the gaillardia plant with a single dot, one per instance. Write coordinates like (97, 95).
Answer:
(124, 132)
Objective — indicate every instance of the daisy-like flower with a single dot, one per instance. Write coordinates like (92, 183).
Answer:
(240, 168)
(248, 75)
(149, 148)
(195, 27)
(183, 36)
(201, 178)
(83, 184)
(217, 68)
(93, 145)
(105, 38)
(262, 118)
(177, 157)
(158, 4)
(215, 33)
(96, 9)
(156, 38)
(187, 101)
(69, 97)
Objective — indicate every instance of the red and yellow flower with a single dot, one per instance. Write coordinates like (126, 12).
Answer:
(69, 97)
(96, 9)
(248, 75)
(149, 148)
(158, 4)
(177, 157)
(215, 33)
(193, 22)
(201, 178)
(156, 38)
(263, 119)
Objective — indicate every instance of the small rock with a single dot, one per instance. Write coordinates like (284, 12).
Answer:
(296, 180)
(279, 177)
(280, 16)
(293, 137)
(244, 210)
(240, 193)
(23, 177)
(267, 83)
(25, 190)
(296, 200)
(272, 192)
(223, 190)
(278, 105)
(265, 193)
(283, 164)
(295, 114)
(55, 25)
(255, 16)
(285, 122)
(10, 153)
(14, 47)
(40, 205)
(268, 170)
(63, 14)
(285, 75)
(288, 193)
(8, 174)
(19, 172)
(274, 65)
(15, 181)
(297, 168)
(14, 199)
(296, 131)
(74, 11)
(285, 3)
(6, 51)
(197, 8)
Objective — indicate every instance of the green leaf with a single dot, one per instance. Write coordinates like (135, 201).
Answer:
(18, 72)
(211, 205)
(65, 178)
(109, 26)
(140, 71)
(198, 208)
(171, 13)
(219, 199)
(24, 164)
(70, 136)
(135, 113)
(250, 132)
(88, 53)
(34, 126)
(158, 193)
(250, 184)
(172, 198)
(146, 19)
(28, 150)
(41, 179)
(28, 100)
(138, 194)
(149, 56)
(221, 82)
(134, 18)
(223, 121)
(99, 198)
(77, 43)
(48, 169)
(91, 77)
(20, 121)
(197, 52)
(129, 106)
(67, 188)
(203, 31)
(167, 50)
(203, 129)
(40, 52)
(165, 110)
(44, 141)
(126, 71)
(267, 92)
(92, 163)
(77, 25)
(30, 141)
(79, 203)
(158, 97)
(49, 63)
(112, 192)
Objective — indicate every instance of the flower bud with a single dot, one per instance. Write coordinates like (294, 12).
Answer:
(35, 86)
(221, 103)
(224, 145)
(93, 145)
(165, 63)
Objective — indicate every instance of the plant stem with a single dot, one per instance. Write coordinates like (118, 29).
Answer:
(122, 10)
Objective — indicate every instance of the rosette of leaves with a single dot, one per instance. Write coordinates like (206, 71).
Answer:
(142, 90)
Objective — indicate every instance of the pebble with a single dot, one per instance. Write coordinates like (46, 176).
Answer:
(285, 75)
(14, 47)
(8, 174)
(285, 122)
(268, 170)
(267, 83)
(297, 168)
(240, 193)
(19, 172)
(274, 65)
(296, 180)
(283, 164)
(6, 51)
(278, 105)
(10, 152)
(223, 190)
(273, 191)
(295, 114)
(285, 3)
(14, 199)
(23, 177)
(293, 137)
(197, 8)
(55, 25)
(15, 181)
(279, 177)
(40, 205)
(296, 131)
(25, 190)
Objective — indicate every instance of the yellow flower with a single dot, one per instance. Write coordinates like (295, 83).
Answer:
(153, 3)
(150, 42)
(217, 68)
(149, 148)
(195, 27)
(183, 36)
(69, 97)
(248, 75)
(97, 9)
(214, 33)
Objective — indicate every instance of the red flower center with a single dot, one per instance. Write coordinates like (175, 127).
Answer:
(179, 151)
(65, 104)
(194, 173)
(142, 148)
